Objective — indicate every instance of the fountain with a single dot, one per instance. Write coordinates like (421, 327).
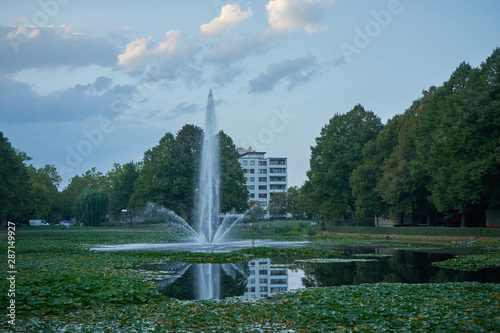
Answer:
(211, 231)
(208, 196)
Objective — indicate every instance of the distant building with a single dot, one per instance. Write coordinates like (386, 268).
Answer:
(264, 175)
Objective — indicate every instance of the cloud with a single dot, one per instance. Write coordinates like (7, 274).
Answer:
(134, 54)
(173, 57)
(295, 14)
(239, 46)
(22, 48)
(295, 72)
(183, 109)
(230, 16)
(21, 105)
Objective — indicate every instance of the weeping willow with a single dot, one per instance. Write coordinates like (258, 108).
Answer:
(91, 206)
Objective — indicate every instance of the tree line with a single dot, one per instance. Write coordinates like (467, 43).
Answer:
(439, 158)
(167, 176)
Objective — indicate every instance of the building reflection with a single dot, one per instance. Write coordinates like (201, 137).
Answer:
(265, 279)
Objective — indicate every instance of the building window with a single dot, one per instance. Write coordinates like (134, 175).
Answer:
(245, 170)
(251, 187)
(244, 162)
(263, 179)
(263, 171)
(263, 272)
(262, 187)
(252, 179)
(261, 289)
(277, 170)
(277, 162)
(252, 162)
(277, 179)
(262, 195)
(263, 281)
(252, 170)
(262, 162)
(252, 195)
(276, 187)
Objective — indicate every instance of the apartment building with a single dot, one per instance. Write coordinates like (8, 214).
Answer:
(265, 279)
(264, 175)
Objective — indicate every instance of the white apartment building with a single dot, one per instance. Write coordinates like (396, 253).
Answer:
(265, 279)
(264, 175)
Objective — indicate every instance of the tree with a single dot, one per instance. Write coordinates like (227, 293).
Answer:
(161, 177)
(456, 140)
(14, 182)
(91, 179)
(366, 176)
(278, 204)
(293, 202)
(45, 196)
(91, 206)
(404, 193)
(169, 175)
(122, 180)
(234, 193)
(337, 153)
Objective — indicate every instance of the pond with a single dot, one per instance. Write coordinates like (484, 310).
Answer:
(266, 276)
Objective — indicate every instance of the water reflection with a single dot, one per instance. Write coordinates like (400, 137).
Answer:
(264, 277)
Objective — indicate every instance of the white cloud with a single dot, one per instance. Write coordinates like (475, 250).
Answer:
(171, 53)
(295, 14)
(170, 43)
(135, 52)
(230, 16)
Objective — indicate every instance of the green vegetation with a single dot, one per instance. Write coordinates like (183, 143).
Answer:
(471, 262)
(61, 285)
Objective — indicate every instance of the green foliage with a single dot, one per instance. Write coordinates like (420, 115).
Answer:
(278, 204)
(471, 262)
(337, 153)
(14, 182)
(122, 179)
(234, 193)
(91, 206)
(456, 139)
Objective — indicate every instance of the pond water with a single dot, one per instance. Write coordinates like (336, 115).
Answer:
(266, 276)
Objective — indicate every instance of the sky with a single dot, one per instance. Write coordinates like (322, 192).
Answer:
(91, 83)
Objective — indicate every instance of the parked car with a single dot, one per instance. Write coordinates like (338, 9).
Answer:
(68, 223)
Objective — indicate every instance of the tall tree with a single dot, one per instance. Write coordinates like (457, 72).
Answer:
(160, 180)
(337, 153)
(366, 176)
(404, 193)
(456, 140)
(14, 182)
